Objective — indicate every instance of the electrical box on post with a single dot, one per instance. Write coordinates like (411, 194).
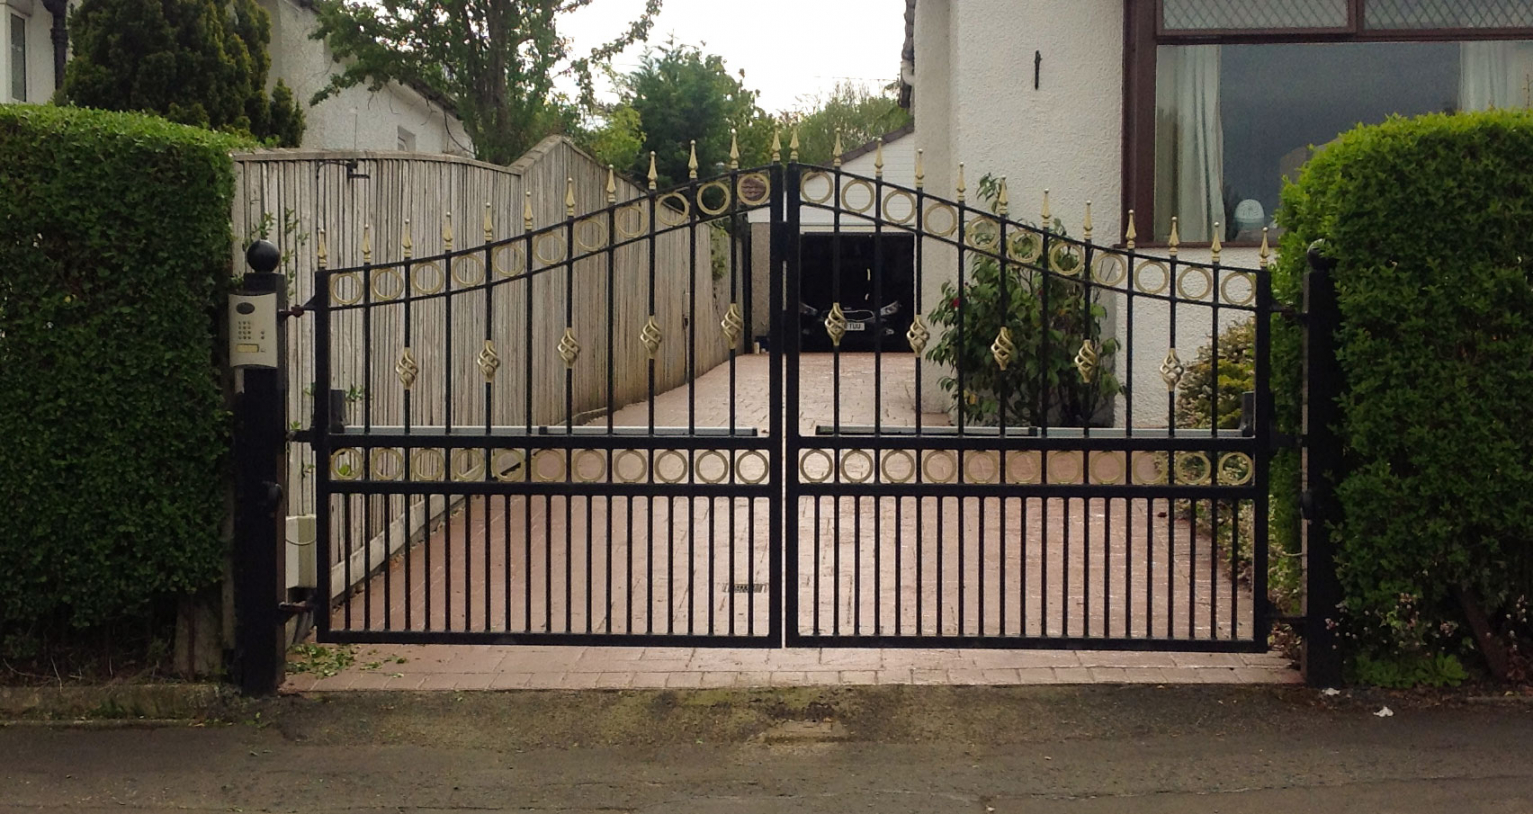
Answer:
(253, 331)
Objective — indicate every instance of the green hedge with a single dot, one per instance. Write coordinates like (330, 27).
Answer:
(1431, 220)
(114, 247)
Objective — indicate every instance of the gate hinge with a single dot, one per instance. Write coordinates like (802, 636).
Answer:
(302, 436)
(1282, 440)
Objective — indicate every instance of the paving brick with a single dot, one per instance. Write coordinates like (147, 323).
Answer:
(859, 677)
(1073, 675)
(615, 681)
(684, 680)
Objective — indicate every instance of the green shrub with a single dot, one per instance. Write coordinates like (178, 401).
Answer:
(1042, 385)
(114, 244)
(1429, 220)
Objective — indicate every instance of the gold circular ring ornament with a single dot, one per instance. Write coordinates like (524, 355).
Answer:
(723, 206)
(952, 463)
(867, 189)
(1057, 257)
(910, 207)
(1023, 467)
(665, 456)
(711, 455)
(1107, 468)
(910, 466)
(537, 465)
(580, 470)
(420, 473)
(465, 462)
(622, 458)
(846, 473)
(590, 234)
(517, 264)
(382, 295)
(630, 221)
(355, 281)
(1165, 277)
(987, 456)
(952, 220)
(1194, 469)
(673, 209)
(763, 182)
(346, 464)
(1230, 277)
(435, 285)
(1208, 283)
(512, 472)
(752, 479)
(457, 264)
(381, 472)
(1072, 469)
(803, 466)
(811, 177)
(540, 248)
(1026, 247)
(981, 228)
(1241, 474)
(1148, 469)
(1119, 266)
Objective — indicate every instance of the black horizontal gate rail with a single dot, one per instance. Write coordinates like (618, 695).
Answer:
(962, 429)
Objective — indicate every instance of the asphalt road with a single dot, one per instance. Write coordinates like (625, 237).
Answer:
(887, 750)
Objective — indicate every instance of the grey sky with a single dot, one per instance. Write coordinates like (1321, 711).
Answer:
(789, 49)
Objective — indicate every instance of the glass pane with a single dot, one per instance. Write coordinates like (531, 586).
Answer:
(1233, 120)
(1383, 14)
(1215, 15)
(18, 58)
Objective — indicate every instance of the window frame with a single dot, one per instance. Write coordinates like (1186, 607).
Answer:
(1144, 34)
(16, 21)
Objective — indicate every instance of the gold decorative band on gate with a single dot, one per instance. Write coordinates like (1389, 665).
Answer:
(579, 469)
(845, 473)
(1067, 259)
(910, 464)
(628, 229)
(811, 177)
(707, 455)
(381, 472)
(952, 220)
(985, 456)
(756, 479)
(803, 466)
(399, 288)
(1165, 276)
(981, 231)
(1072, 471)
(1232, 276)
(1107, 468)
(420, 473)
(538, 475)
(846, 196)
(1119, 272)
(1149, 469)
(665, 456)
(457, 264)
(518, 260)
(714, 211)
(1193, 469)
(1208, 283)
(540, 248)
(1024, 467)
(356, 286)
(622, 476)
(590, 234)
(926, 466)
(911, 207)
(467, 465)
(673, 209)
(751, 182)
(435, 286)
(1241, 474)
(346, 464)
(516, 471)
(1026, 247)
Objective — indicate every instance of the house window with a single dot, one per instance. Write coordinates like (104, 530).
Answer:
(18, 58)
(1224, 100)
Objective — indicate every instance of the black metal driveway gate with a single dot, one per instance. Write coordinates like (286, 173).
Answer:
(956, 429)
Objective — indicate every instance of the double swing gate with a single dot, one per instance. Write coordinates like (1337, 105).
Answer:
(955, 428)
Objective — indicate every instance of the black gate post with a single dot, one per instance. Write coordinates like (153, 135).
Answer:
(1322, 462)
(258, 356)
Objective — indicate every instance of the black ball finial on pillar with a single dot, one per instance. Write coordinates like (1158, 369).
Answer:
(263, 257)
(1318, 259)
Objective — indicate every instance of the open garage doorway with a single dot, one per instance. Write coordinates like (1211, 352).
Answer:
(876, 275)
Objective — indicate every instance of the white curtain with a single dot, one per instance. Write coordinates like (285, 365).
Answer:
(1189, 177)
(1485, 78)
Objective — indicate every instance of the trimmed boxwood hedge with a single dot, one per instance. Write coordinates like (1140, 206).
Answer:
(114, 248)
(1431, 220)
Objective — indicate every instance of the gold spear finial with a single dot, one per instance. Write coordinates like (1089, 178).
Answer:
(447, 230)
(878, 160)
(527, 212)
(654, 176)
(1047, 213)
(1266, 253)
(1218, 245)
(793, 145)
(692, 162)
(920, 169)
(1130, 233)
(734, 149)
(367, 244)
(776, 146)
(1002, 199)
(321, 251)
(963, 186)
(836, 150)
(611, 184)
(569, 197)
(407, 243)
(1174, 242)
(1088, 222)
(489, 224)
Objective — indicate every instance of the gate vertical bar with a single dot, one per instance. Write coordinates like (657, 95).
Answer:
(320, 427)
(785, 340)
(1322, 464)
